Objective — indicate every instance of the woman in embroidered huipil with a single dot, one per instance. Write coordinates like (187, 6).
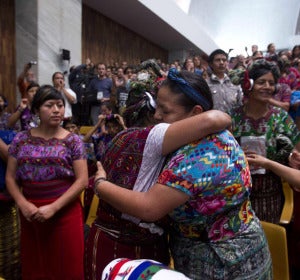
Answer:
(46, 172)
(133, 161)
(260, 124)
(205, 188)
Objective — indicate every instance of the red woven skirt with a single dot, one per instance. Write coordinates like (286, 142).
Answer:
(102, 248)
(53, 249)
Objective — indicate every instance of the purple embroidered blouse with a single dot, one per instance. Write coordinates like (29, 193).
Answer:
(41, 160)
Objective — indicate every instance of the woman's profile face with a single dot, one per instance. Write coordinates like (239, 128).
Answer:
(296, 52)
(72, 128)
(31, 93)
(104, 110)
(271, 48)
(168, 109)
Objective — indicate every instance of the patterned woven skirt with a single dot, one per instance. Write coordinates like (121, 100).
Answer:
(267, 197)
(245, 256)
(9, 241)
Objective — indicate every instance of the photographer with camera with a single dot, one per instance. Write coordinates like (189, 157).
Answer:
(79, 80)
(25, 78)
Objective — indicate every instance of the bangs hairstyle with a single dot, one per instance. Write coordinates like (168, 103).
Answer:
(44, 93)
(198, 84)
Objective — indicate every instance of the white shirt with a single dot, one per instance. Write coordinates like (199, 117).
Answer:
(151, 166)
(68, 106)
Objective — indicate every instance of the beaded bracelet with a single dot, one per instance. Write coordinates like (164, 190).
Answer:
(96, 183)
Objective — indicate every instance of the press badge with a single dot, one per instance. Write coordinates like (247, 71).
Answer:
(99, 95)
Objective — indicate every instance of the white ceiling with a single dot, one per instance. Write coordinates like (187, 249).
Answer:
(210, 24)
(138, 18)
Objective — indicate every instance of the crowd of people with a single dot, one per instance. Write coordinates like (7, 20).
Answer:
(186, 159)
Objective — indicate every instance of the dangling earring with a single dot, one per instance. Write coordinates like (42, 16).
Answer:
(36, 120)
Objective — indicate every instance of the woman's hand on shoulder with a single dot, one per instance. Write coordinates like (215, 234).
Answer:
(294, 159)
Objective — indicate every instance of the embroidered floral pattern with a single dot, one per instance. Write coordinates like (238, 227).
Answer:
(216, 176)
(43, 160)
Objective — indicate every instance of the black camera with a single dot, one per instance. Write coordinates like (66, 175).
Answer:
(32, 62)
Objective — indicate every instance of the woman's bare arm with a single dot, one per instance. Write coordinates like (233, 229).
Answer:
(191, 129)
(99, 123)
(291, 175)
(3, 150)
(152, 205)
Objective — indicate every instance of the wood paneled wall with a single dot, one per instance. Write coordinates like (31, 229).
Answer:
(8, 52)
(104, 40)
